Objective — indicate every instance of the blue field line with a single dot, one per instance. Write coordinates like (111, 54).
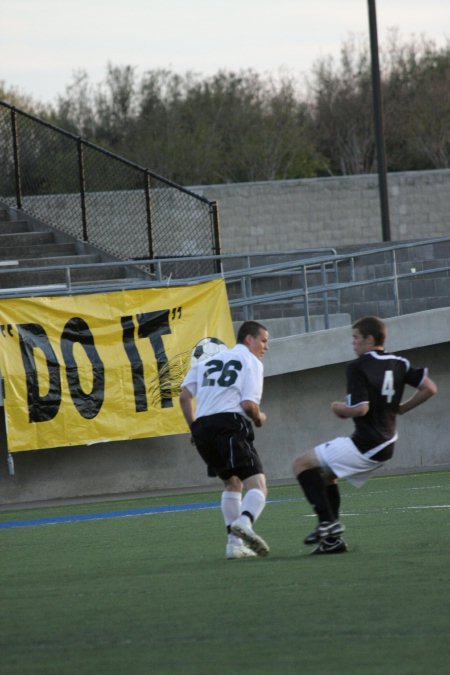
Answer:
(126, 513)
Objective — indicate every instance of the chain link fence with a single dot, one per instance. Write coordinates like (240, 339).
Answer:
(100, 198)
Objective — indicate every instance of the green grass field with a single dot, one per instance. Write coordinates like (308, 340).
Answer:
(153, 594)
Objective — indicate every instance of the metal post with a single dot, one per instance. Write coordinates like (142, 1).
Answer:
(10, 463)
(214, 212)
(17, 176)
(396, 294)
(323, 270)
(378, 119)
(82, 183)
(157, 267)
(243, 285)
(248, 292)
(306, 299)
(148, 206)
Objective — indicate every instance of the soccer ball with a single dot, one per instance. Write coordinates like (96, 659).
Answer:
(206, 348)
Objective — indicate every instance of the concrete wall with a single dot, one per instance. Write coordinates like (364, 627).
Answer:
(304, 373)
(266, 216)
(307, 213)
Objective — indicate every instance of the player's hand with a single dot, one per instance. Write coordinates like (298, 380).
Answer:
(260, 421)
(336, 407)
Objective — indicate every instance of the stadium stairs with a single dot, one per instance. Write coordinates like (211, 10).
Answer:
(424, 286)
(28, 243)
(33, 256)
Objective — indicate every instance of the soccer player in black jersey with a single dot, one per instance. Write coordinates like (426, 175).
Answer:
(375, 384)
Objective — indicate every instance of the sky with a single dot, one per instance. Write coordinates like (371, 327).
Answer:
(43, 43)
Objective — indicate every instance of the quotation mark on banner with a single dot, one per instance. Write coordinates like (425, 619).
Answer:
(8, 329)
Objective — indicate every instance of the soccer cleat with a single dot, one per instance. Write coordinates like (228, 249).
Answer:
(312, 537)
(251, 539)
(234, 551)
(327, 529)
(331, 545)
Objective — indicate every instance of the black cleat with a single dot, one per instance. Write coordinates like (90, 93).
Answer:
(331, 545)
(312, 537)
(327, 529)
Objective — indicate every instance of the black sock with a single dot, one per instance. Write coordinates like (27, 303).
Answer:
(316, 493)
(334, 497)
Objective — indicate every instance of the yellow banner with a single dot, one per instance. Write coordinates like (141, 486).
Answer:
(82, 369)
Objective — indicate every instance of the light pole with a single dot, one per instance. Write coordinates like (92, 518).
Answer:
(378, 119)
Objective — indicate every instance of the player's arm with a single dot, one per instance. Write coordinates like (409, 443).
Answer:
(187, 405)
(345, 411)
(424, 391)
(253, 411)
(356, 402)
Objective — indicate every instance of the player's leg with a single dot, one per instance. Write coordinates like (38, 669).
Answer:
(247, 467)
(252, 506)
(254, 499)
(308, 469)
(231, 510)
(214, 454)
(334, 498)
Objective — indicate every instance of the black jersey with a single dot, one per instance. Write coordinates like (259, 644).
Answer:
(379, 378)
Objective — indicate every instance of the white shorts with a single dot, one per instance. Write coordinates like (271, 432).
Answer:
(342, 457)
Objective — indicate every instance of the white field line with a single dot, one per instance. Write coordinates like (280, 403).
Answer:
(387, 508)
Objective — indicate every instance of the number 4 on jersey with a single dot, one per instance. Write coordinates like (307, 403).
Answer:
(388, 385)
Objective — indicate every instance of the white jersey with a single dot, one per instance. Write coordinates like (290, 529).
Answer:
(223, 381)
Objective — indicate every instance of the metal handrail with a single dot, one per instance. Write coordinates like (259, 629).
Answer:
(328, 290)
(259, 270)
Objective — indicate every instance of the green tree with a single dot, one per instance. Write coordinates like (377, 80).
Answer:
(341, 112)
(242, 126)
(417, 105)
(415, 79)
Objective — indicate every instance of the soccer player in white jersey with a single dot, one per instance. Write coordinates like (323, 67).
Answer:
(375, 384)
(228, 389)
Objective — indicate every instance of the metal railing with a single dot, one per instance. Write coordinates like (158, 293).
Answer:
(387, 281)
(97, 197)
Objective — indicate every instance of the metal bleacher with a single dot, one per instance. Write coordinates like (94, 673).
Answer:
(76, 219)
(293, 292)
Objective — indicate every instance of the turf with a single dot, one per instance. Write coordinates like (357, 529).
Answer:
(153, 594)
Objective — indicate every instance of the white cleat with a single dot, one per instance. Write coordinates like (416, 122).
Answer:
(241, 529)
(234, 551)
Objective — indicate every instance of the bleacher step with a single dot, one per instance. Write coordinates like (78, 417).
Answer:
(25, 238)
(53, 261)
(37, 251)
(13, 226)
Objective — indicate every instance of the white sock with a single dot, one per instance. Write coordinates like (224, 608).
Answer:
(254, 502)
(231, 510)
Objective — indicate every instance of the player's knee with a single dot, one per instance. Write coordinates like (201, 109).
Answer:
(297, 466)
(261, 485)
(302, 463)
(233, 484)
(264, 490)
(258, 482)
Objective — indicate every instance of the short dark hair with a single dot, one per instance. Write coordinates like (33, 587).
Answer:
(249, 328)
(372, 325)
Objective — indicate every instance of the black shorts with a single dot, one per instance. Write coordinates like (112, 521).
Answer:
(225, 443)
